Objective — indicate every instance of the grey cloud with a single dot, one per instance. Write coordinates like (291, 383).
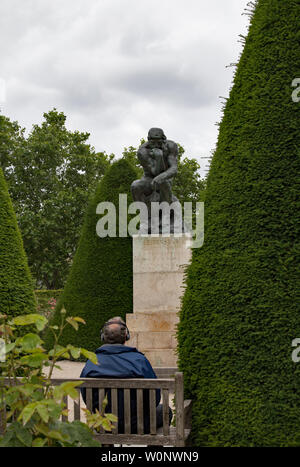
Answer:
(117, 67)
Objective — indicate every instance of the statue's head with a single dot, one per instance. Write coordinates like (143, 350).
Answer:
(156, 137)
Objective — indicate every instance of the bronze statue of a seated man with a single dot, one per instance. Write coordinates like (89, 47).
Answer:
(158, 157)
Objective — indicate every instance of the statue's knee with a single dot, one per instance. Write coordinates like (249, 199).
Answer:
(136, 187)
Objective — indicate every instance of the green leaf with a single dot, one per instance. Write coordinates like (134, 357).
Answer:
(111, 417)
(6, 439)
(39, 442)
(57, 435)
(90, 355)
(43, 412)
(41, 428)
(27, 412)
(104, 403)
(75, 351)
(32, 318)
(57, 393)
(35, 360)
(30, 342)
(69, 388)
(73, 323)
(29, 389)
(54, 408)
(23, 434)
(80, 320)
(106, 425)
(59, 352)
(41, 323)
(79, 434)
(10, 347)
(23, 320)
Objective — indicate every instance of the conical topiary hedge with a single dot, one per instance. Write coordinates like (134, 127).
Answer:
(16, 286)
(99, 285)
(240, 310)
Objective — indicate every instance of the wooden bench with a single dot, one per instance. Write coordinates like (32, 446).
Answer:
(169, 381)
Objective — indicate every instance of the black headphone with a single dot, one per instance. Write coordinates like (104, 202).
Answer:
(113, 321)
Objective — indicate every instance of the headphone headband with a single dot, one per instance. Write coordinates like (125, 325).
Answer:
(115, 321)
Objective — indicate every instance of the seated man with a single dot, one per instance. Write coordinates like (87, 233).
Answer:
(117, 360)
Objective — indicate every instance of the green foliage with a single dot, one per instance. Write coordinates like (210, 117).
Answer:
(50, 175)
(34, 406)
(16, 287)
(240, 309)
(100, 282)
(11, 141)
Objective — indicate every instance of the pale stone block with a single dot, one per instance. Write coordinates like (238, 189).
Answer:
(158, 271)
(155, 321)
(133, 341)
(154, 340)
(157, 291)
(160, 254)
(161, 357)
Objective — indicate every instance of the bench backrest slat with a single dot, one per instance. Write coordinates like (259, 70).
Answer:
(77, 407)
(165, 400)
(101, 396)
(127, 424)
(114, 407)
(140, 414)
(152, 398)
(89, 399)
(120, 383)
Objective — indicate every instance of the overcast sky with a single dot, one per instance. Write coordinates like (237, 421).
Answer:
(118, 67)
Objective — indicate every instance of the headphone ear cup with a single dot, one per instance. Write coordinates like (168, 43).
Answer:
(127, 334)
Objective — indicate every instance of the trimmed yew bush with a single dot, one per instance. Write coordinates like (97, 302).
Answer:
(99, 285)
(240, 311)
(16, 286)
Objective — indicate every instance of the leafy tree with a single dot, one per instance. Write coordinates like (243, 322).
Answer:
(50, 176)
(11, 140)
(240, 311)
(187, 183)
(99, 285)
(16, 286)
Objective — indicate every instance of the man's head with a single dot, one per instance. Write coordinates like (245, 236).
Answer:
(156, 137)
(115, 331)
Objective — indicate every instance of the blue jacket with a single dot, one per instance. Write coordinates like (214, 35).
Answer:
(121, 361)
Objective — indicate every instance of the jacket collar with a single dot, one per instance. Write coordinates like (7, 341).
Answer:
(115, 349)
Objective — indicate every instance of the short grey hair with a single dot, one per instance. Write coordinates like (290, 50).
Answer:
(115, 333)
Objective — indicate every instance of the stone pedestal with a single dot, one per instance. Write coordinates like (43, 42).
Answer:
(158, 270)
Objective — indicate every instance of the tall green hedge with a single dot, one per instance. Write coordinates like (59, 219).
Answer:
(16, 286)
(99, 285)
(240, 310)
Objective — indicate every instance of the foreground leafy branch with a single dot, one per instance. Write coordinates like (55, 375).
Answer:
(31, 408)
